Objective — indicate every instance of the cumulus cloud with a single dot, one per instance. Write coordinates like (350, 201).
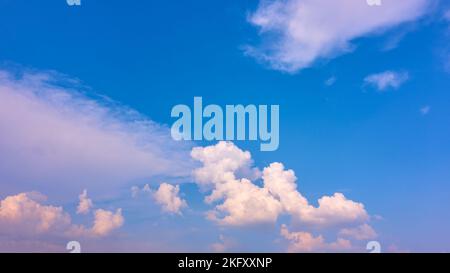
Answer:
(242, 201)
(221, 162)
(335, 210)
(26, 218)
(332, 210)
(66, 139)
(306, 242)
(106, 221)
(297, 33)
(362, 232)
(246, 203)
(167, 196)
(25, 215)
(85, 204)
(387, 79)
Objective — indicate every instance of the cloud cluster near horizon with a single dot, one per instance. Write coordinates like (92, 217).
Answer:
(298, 33)
(230, 184)
(25, 217)
(240, 202)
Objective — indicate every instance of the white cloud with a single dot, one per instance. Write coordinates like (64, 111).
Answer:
(245, 203)
(302, 241)
(220, 163)
(306, 242)
(106, 221)
(332, 210)
(299, 32)
(282, 185)
(335, 210)
(85, 204)
(167, 196)
(66, 140)
(387, 79)
(362, 232)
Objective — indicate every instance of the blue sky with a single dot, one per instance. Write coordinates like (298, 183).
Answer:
(387, 147)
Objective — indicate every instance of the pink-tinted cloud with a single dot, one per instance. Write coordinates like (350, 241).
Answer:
(167, 196)
(25, 221)
(67, 141)
(85, 204)
(362, 232)
(246, 203)
(301, 241)
(106, 221)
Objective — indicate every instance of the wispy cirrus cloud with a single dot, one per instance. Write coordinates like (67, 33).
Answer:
(245, 203)
(297, 33)
(68, 141)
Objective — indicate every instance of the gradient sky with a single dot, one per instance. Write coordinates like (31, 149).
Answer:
(369, 116)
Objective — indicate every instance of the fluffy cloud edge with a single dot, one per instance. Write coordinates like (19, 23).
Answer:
(166, 196)
(298, 33)
(85, 204)
(239, 202)
(245, 203)
(25, 216)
